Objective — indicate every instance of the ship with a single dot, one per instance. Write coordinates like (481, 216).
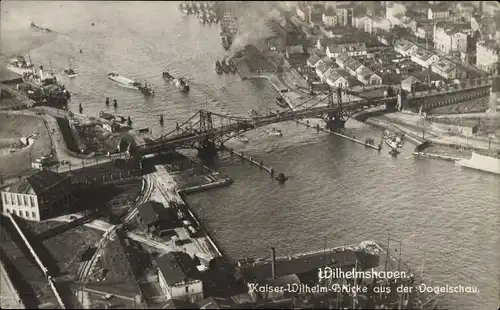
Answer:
(276, 132)
(123, 81)
(182, 84)
(146, 90)
(253, 113)
(280, 101)
(20, 66)
(47, 82)
(167, 76)
(481, 162)
(38, 28)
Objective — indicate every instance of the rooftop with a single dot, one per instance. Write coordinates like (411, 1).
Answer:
(37, 183)
(352, 64)
(410, 81)
(342, 48)
(152, 211)
(343, 58)
(422, 54)
(313, 60)
(179, 304)
(216, 303)
(403, 44)
(176, 267)
(443, 65)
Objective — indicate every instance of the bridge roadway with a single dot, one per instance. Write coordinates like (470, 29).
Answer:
(190, 138)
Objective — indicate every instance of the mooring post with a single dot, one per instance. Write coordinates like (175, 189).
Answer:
(272, 172)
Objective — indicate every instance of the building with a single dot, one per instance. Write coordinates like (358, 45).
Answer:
(445, 69)
(368, 77)
(423, 57)
(40, 196)
(351, 49)
(358, 22)
(353, 66)
(341, 60)
(322, 68)
(438, 12)
(179, 304)
(487, 56)
(466, 10)
(313, 61)
(336, 80)
(330, 18)
(179, 278)
(411, 84)
(405, 47)
(344, 14)
(216, 303)
(323, 43)
(292, 50)
(316, 12)
(302, 12)
(394, 12)
(155, 218)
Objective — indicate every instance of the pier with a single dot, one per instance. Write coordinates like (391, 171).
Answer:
(436, 156)
(251, 160)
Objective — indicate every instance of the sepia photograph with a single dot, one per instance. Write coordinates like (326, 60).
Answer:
(250, 154)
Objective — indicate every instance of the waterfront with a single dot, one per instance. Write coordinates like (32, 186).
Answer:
(442, 213)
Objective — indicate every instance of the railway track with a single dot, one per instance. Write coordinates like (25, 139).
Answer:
(85, 271)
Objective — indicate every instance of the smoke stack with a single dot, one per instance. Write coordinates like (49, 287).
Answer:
(273, 262)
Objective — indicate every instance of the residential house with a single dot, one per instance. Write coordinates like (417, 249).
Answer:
(178, 277)
(441, 12)
(445, 69)
(40, 196)
(385, 38)
(330, 17)
(411, 85)
(294, 49)
(487, 55)
(405, 47)
(322, 68)
(423, 57)
(341, 60)
(313, 61)
(291, 280)
(216, 303)
(352, 66)
(179, 304)
(156, 218)
(336, 80)
(337, 32)
(449, 39)
(351, 49)
(368, 77)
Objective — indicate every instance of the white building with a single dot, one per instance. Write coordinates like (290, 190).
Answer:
(423, 57)
(302, 13)
(330, 18)
(177, 277)
(445, 69)
(335, 79)
(438, 13)
(351, 49)
(405, 47)
(487, 55)
(40, 196)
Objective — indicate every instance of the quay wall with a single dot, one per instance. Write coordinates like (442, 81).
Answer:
(37, 259)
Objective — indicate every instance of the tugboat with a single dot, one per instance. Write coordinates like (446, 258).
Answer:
(225, 66)
(276, 132)
(280, 101)
(146, 90)
(218, 67)
(70, 73)
(167, 76)
(232, 66)
(182, 84)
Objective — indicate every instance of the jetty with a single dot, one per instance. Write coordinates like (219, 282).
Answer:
(251, 160)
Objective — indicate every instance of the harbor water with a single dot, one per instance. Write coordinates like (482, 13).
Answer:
(445, 216)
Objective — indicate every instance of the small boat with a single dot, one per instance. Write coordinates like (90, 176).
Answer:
(281, 178)
(225, 66)
(70, 73)
(123, 81)
(253, 113)
(280, 101)
(167, 76)
(146, 90)
(242, 139)
(182, 84)
(20, 66)
(276, 132)
(218, 67)
(392, 143)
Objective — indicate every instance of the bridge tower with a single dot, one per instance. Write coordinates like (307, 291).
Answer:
(207, 147)
(336, 120)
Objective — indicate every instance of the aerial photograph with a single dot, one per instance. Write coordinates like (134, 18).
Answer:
(250, 155)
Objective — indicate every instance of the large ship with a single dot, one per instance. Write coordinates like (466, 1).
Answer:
(128, 83)
(38, 28)
(47, 82)
(20, 66)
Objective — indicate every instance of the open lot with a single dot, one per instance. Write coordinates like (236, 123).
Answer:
(15, 126)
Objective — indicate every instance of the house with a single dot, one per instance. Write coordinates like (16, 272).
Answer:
(40, 196)
(352, 66)
(423, 57)
(368, 77)
(178, 277)
(291, 50)
(410, 84)
(448, 38)
(286, 281)
(351, 49)
(322, 68)
(385, 38)
(330, 17)
(404, 47)
(336, 80)
(487, 55)
(179, 304)
(445, 68)
(438, 12)
(155, 217)
(216, 303)
(313, 61)
(341, 60)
